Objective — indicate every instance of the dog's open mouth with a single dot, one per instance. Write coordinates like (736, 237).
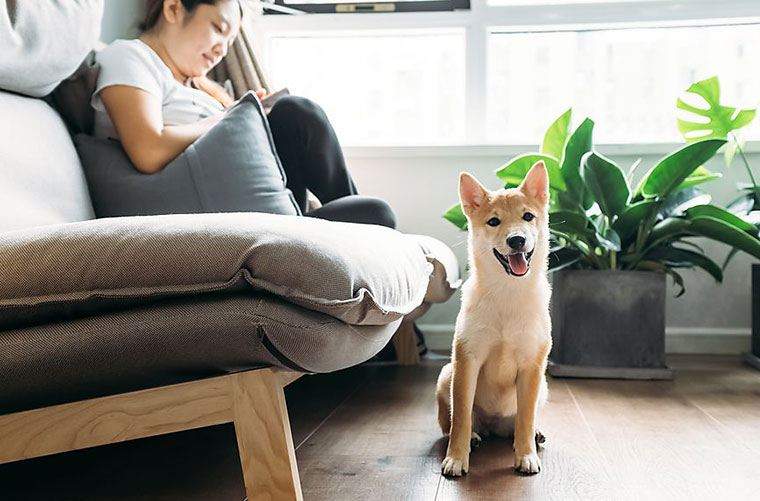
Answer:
(516, 264)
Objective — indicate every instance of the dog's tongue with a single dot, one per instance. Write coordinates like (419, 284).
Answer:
(518, 263)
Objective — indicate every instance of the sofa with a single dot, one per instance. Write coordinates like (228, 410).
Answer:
(121, 328)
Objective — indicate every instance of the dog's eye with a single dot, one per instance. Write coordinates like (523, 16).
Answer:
(528, 216)
(494, 221)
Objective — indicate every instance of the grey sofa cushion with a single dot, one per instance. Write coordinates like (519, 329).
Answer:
(171, 342)
(233, 167)
(43, 42)
(41, 179)
(361, 274)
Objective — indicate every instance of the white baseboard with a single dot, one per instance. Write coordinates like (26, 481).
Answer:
(692, 340)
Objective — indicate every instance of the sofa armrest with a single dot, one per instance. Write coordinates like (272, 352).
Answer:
(360, 274)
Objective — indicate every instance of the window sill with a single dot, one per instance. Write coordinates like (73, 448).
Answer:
(497, 150)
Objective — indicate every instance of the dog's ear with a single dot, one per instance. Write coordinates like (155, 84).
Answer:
(472, 194)
(536, 182)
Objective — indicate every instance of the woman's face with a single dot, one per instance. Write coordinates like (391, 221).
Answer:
(196, 41)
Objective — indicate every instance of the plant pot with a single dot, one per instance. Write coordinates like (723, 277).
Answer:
(608, 324)
(753, 357)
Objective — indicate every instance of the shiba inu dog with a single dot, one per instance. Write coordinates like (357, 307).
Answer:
(495, 382)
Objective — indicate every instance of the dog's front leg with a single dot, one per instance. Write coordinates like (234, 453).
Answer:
(528, 386)
(464, 379)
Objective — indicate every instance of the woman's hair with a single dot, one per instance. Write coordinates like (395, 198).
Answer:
(153, 10)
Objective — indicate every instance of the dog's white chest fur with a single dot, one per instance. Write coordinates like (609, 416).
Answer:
(504, 314)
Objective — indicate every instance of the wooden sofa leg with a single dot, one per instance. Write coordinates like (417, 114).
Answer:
(263, 436)
(405, 342)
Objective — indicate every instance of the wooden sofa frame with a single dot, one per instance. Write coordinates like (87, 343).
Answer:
(253, 400)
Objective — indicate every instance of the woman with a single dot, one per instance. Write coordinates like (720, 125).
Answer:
(153, 95)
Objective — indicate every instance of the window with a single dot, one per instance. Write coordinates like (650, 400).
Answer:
(380, 87)
(626, 80)
(500, 72)
(378, 6)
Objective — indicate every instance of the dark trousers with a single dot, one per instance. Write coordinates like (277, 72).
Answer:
(312, 159)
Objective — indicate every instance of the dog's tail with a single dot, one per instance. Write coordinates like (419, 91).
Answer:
(443, 391)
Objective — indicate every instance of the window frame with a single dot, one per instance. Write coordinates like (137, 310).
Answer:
(482, 19)
(381, 7)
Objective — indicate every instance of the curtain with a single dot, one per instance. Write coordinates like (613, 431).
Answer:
(240, 66)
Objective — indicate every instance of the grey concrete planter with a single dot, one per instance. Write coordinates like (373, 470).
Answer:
(608, 324)
(753, 357)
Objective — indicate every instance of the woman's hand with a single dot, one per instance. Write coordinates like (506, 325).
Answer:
(262, 94)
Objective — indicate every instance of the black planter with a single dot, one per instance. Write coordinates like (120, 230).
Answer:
(753, 358)
(608, 324)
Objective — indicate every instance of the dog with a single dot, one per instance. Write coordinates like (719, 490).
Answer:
(495, 383)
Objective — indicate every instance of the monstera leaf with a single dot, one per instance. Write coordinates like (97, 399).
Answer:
(720, 119)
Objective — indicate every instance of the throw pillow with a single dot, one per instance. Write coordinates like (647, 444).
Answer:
(232, 168)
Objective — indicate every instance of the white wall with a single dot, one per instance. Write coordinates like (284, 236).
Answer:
(120, 19)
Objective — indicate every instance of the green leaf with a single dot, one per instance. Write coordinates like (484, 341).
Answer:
(556, 135)
(731, 149)
(629, 220)
(632, 169)
(610, 240)
(724, 232)
(677, 202)
(734, 251)
(720, 119)
(698, 176)
(456, 216)
(562, 258)
(677, 281)
(579, 144)
(668, 229)
(743, 204)
(513, 172)
(672, 170)
(568, 222)
(606, 182)
(684, 258)
(725, 216)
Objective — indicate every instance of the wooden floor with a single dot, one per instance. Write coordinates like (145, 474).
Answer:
(370, 433)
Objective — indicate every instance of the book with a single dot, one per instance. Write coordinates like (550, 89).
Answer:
(269, 101)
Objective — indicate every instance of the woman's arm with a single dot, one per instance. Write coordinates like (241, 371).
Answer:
(136, 115)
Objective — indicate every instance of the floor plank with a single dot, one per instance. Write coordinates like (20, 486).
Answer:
(658, 443)
(382, 443)
(572, 468)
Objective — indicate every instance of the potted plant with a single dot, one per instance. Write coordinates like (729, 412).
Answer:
(613, 244)
(710, 119)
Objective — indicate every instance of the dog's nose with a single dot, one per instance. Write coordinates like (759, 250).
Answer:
(516, 242)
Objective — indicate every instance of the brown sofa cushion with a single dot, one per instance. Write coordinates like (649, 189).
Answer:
(360, 274)
(173, 341)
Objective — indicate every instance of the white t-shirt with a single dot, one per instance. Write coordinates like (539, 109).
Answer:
(134, 63)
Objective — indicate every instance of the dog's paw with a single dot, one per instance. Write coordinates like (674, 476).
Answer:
(529, 464)
(475, 440)
(455, 467)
